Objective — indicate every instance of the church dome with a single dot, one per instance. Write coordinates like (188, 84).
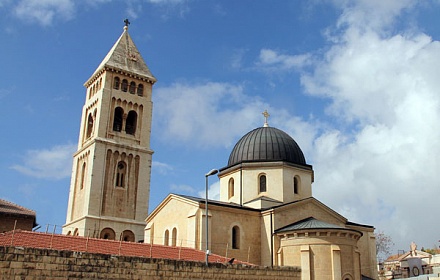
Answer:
(266, 144)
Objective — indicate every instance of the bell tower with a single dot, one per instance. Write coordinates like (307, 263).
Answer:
(110, 184)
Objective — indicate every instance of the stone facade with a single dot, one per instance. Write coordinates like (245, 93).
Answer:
(31, 263)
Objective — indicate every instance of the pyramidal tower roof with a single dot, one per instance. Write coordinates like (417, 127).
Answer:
(125, 57)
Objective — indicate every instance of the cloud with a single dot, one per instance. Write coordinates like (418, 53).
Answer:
(205, 115)
(378, 164)
(162, 168)
(183, 189)
(213, 191)
(272, 60)
(53, 163)
(44, 11)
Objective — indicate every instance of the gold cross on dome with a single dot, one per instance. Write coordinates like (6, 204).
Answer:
(266, 116)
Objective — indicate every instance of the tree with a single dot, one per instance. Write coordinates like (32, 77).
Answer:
(383, 245)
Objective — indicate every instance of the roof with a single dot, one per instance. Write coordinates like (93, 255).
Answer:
(29, 239)
(265, 144)
(311, 223)
(218, 203)
(10, 208)
(125, 57)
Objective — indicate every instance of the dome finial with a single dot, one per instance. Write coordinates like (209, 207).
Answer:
(266, 116)
(127, 22)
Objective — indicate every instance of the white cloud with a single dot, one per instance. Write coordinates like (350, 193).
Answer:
(272, 60)
(162, 168)
(380, 166)
(44, 11)
(205, 115)
(213, 191)
(183, 189)
(52, 163)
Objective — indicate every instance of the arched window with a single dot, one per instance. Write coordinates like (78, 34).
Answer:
(140, 90)
(83, 176)
(128, 235)
(174, 237)
(89, 126)
(116, 83)
(107, 233)
(130, 125)
(231, 188)
(121, 170)
(262, 184)
(295, 185)
(117, 121)
(132, 89)
(124, 85)
(166, 238)
(235, 237)
(75, 232)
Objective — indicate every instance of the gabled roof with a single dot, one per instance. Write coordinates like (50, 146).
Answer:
(125, 57)
(10, 208)
(29, 239)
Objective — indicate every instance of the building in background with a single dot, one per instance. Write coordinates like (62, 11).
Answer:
(13, 216)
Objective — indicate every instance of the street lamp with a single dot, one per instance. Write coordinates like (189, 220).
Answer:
(212, 172)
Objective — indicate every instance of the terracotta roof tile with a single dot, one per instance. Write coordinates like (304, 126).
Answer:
(41, 240)
(7, 207)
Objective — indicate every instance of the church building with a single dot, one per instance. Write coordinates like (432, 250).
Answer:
(110, 184)
(266, 214)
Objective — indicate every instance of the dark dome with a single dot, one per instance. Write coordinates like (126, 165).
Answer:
(266, 144)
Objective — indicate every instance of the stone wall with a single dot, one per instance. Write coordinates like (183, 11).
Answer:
(31, 263)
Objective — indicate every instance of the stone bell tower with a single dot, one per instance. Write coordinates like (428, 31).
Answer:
(110, 185)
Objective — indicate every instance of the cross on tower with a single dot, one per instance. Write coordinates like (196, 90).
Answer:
(127, 22)
(266, 116)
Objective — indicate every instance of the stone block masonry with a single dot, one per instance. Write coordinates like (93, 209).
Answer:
(32, 264)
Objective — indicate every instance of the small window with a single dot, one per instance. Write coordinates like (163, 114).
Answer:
(132, 89)
(116, 83)
(130, 125)
(235, 237)
(140, 90)
(89, 126)
(121, 170)
(107, 233)
(83, 175)
(117, 121)
(124, 86)
(128, 235)
(262, 187)
(295, 185)
(174, 237)
(166, 238)
(231, 188)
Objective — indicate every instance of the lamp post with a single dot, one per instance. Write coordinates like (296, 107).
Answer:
(212, 172)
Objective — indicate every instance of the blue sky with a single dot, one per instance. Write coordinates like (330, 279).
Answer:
(355, 83)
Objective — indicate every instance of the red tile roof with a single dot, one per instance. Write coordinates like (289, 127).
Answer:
(41, 240)
(10, 208)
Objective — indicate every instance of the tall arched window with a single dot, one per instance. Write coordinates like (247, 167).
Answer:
(262, 184)
(124, 86)
(83, 175)
(130, 125)
(116, 83)
(89, 126)
(174, 237)
(231, 188)
(132, 88)
(140, 90)
(121, 170)
(295, 185)
(117, 122)
(166, 238)
(235, 237)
